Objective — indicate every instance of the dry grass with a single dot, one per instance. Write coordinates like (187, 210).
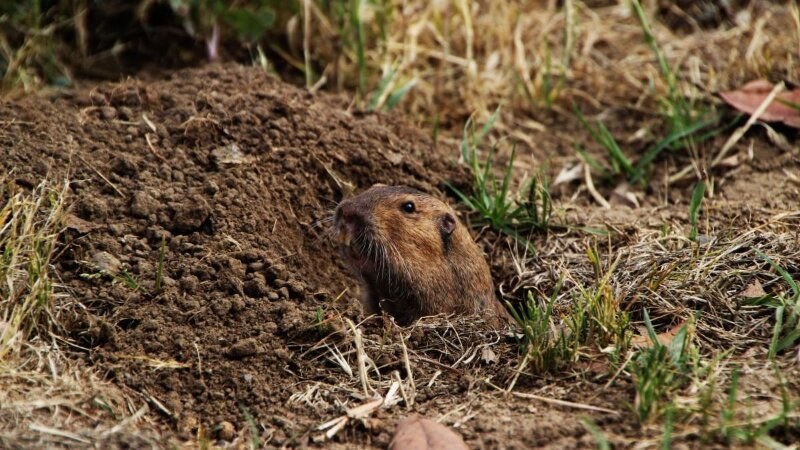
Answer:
(379, 365)
(677, 279)
(49, 397)
(471, 56)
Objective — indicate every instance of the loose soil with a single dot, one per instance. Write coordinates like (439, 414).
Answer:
(229, 174)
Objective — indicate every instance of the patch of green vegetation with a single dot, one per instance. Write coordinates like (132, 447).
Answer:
(358, 34)
(786, 331)
(597, 317)
(545, 346)
(659, 370)
(736, 431)
(681, 113)
(28, 45)
(249, 21)
(688, 122)
(622, 165)
(492, 199)
(124, 277)
(594, 320)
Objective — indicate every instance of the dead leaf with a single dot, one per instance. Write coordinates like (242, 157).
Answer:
(750, 96)
(754, 290)
(419, 433)
(642, 340)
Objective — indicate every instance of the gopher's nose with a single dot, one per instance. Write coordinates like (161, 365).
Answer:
(348, 213)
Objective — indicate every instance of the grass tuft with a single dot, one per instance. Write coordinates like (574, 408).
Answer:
(30, 224)
(496, 206)
(658, 371)
(546, 347)
(786, 330)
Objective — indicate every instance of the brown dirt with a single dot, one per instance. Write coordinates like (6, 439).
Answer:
(233, 170)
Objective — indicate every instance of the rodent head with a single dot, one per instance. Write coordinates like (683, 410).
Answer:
(388, 225)
(412, 253)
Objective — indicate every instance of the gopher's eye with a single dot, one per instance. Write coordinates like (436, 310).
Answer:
(408, 207)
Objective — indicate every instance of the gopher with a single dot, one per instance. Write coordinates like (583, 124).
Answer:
(414, 257)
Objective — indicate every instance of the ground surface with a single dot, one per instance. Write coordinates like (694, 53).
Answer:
(233, 171)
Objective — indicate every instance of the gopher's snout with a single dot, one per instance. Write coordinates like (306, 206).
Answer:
(348, 222)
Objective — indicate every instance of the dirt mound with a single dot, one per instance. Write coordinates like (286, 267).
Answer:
(232, 171)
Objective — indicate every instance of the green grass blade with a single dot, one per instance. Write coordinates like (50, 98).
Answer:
(398, 95)
(467, 150)
(787, 341)
(597, 434)
(651, 332)
(694, 207)
(665, 143)
(790, 104)
(614, 150)
(603, 136)
(776, 333)
(666, 438)
(677, 347)
(503, 197)
(381, 89)
(358, 29)
(463, 197)
(251, 425)
(488, 125)
(784, 274)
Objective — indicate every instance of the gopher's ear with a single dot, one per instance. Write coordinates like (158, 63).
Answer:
(447, 224)
(377, 185)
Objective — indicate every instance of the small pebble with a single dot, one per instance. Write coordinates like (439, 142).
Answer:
(106, 262)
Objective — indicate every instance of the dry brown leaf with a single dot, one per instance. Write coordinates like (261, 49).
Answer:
(750, 96)
(419, 433)
(754, 290)
(642, 340)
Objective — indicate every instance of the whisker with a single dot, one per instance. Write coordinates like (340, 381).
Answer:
(328, 200)
(324, 221)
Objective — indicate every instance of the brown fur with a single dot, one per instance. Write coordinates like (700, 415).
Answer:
(414, 264)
